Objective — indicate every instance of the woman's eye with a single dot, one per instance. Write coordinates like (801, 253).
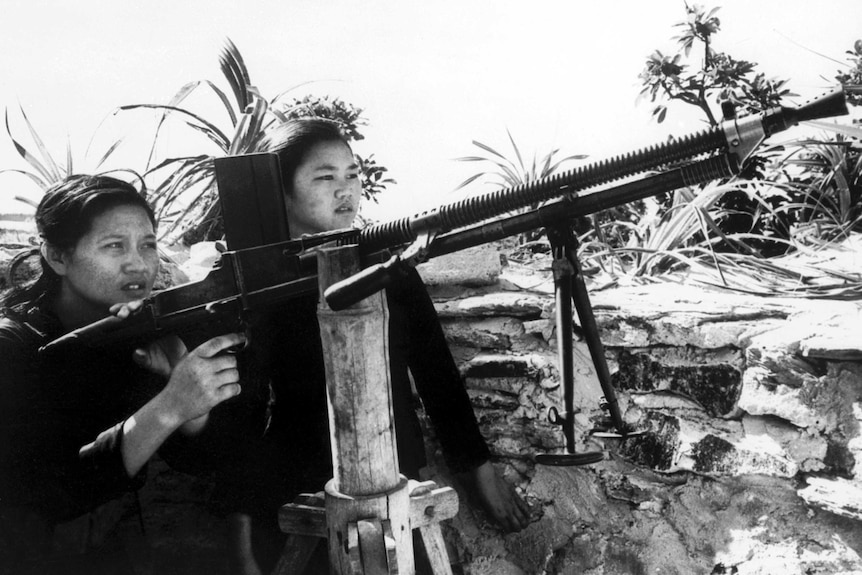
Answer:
(352, 176)
(150, 246)
(326, 177)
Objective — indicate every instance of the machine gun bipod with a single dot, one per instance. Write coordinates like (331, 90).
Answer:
(569, 287)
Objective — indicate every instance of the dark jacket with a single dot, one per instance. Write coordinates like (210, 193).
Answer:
(61, 420)
(294, 456)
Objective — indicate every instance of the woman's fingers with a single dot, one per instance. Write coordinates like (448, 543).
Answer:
(124, 310)
(229, 390)
(219, 344)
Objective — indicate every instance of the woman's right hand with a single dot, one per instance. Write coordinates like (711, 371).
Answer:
(198, 380)
(201, 378)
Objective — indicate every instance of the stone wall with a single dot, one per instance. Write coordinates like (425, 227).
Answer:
(750, 408)
(749, 462)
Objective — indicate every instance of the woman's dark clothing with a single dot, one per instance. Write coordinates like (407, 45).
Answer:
(61, 419)
(295, 457)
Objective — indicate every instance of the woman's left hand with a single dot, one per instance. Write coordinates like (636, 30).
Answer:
(499, 499)
(124, 310)
(159, 356)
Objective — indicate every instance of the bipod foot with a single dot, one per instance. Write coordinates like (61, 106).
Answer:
(569, 459)
(610, 432)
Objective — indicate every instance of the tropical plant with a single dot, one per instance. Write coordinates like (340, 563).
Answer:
(759, 232)
(680, 245)
(825, 182)
(184, 192)
(509, 173)
(852, 79)
(770, 219)
(45, 170)
(719, 77)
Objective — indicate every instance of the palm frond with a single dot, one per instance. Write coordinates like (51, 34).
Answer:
(28, 201)
(470, 180)
(186, 218)
(491, 150)
(200, 124)
(176, 183)
(43, 184)
(471, 159)
(69, 166)
(224, 100)
(105, 156)
(250, 128)
(234, 70)
(50, 164)
(517, 151)
(43, 171)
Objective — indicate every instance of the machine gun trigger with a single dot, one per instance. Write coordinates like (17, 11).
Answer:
(218, 308)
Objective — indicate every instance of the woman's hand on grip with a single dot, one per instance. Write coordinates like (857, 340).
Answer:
(203, 377)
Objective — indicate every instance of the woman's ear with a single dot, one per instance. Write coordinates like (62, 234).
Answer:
(55, 258)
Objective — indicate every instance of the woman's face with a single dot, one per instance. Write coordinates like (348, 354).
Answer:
(326, 190)
(115, 262)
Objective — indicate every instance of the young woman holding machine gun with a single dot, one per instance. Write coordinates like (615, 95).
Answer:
(322, 193)
(77, 428)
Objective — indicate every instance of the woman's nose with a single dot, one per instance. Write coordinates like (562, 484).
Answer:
(135, 261)
(343, 187)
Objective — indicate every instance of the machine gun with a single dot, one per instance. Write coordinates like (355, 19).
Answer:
(262, 268)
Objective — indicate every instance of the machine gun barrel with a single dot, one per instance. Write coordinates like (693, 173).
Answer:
(255, 277)
(734, 139)
(371, 279)
(738, 137)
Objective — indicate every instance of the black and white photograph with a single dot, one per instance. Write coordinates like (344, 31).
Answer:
(450, 288)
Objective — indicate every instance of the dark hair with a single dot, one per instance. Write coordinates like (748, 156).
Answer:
(293, 139)
(65, 215)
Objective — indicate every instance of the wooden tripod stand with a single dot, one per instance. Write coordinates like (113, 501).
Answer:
(369, 510)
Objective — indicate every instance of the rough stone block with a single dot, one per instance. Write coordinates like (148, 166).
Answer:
(492, 333)
(492, 400)
(501, 365)
(479, 266)
(522, 306)
(715, 386)
(657, 446)
(837, 495)
(713, 454)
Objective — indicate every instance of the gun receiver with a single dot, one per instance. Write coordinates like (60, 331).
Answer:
(242, 281)
(257, 277)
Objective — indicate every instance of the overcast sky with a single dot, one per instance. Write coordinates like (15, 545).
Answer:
(431, 76)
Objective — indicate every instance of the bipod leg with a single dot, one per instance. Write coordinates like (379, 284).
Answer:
(581, 299)
(562, 243)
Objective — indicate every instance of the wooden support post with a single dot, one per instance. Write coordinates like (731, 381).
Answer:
(367, 496)
(369, 508)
